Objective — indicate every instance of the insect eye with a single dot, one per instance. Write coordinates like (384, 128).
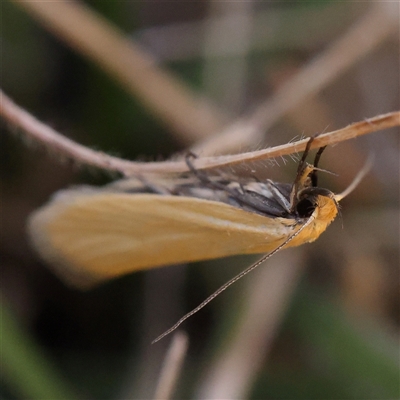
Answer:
(305, 207)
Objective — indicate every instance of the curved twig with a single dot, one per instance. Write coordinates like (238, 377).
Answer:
(59, 144)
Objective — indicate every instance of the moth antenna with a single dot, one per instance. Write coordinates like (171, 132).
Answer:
(233, 280)
(358, 178)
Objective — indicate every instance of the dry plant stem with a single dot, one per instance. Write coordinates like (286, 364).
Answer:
(222, 82)
(269, 31)
(84, 30)
(172, 366)
(190, 117)
(380, 122)
(53, 141)
(60, 145)
(366, 35)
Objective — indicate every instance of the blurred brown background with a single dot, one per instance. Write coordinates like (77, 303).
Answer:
(333, 322)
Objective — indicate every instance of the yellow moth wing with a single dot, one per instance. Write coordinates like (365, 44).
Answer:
(92, 235)
(101, 235)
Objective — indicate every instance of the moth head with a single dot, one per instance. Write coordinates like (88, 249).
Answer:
(310, 198)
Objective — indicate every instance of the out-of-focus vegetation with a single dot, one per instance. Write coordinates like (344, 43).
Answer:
(338, 338)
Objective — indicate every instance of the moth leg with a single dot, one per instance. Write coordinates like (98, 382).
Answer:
(202, 177)
(278, 195)
(302, 171)
(242, 188)
(152, 187)
(235, 193)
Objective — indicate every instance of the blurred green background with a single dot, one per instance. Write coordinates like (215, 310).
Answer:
(339, 336)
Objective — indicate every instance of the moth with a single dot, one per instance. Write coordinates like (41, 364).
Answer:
(88, 235)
